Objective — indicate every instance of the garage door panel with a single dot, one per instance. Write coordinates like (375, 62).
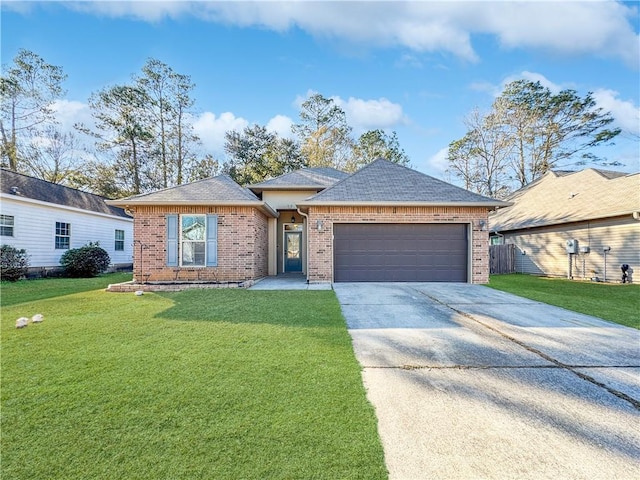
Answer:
(400, 252)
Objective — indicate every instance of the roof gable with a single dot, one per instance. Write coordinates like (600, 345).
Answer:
(570, 197)
(24, 186)
(304, 178)
(382, 181)
(220, 189)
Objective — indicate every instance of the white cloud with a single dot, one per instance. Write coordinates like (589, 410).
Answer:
(365, 115)
(570, 28)
(438, 162)
(625, 113)
(211, 129)
(70, 112)
(281, 125)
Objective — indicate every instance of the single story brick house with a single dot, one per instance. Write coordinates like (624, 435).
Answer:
(582, 224)
(384, 222)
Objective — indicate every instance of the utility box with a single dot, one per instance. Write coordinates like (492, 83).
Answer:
(572, 246)
(584, 250)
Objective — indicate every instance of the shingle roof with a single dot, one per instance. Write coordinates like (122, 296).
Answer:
(382, 181)
(569, 197)
(314, 178)
(24, 186)
(220, 190)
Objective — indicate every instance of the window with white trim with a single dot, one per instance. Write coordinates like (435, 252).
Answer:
(63, 235)
(6, 225)
(192, 240)
(119, 242)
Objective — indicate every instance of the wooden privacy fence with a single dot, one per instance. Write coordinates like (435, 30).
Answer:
(502, 259)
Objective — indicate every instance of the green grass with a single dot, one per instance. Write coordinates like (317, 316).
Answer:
(12, 293)
(201, 384)
(619, 303)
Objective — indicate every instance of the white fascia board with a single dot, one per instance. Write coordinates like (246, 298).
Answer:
(128, 204)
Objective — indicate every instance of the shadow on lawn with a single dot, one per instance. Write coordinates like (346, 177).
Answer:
(298, 309)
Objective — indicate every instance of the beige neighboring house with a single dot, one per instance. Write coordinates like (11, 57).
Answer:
(384, 222)
(570, 223)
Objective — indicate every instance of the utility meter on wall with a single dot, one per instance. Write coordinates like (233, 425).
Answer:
(572, 245)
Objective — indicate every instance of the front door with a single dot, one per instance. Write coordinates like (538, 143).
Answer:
(293, 251)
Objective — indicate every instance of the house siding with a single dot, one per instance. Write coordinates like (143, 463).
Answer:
(242, 245)
(320, 254)
(35, 225)
(542, 250)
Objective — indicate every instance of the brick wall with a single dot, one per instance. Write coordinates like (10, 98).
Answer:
(242, 245)
(321, 242)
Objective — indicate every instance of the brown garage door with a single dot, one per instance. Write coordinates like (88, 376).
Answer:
(377, 252)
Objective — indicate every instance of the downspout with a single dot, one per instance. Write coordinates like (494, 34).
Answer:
(306, 259)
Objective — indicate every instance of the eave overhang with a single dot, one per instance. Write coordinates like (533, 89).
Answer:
(129, 204)
(490, 204)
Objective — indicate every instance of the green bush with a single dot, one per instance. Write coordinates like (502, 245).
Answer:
(13, 263)
(87, 261)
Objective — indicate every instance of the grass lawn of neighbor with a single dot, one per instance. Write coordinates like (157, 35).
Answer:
(616, 302)
(207, 384)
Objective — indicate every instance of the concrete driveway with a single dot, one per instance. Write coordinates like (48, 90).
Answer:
(472, 383)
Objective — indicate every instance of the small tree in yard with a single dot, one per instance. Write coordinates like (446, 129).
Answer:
(13, 263)
(87, 261)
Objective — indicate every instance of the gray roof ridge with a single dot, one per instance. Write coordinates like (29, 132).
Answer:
(223, 176)
(317, 177)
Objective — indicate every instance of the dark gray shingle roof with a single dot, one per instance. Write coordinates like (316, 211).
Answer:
(382, 181)
(317, 177)
(25, 186)
(220, 189)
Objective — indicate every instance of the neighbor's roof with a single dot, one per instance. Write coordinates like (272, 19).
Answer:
(562, 197)
(385, 183)
(19, 186)
(220, 190)
(306, 178)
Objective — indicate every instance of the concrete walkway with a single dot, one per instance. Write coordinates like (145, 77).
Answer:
(288, 281)
(472, 383)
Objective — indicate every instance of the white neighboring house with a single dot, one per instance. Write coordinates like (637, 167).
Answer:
(47, 219)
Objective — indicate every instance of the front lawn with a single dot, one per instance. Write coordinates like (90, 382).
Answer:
(207, 384)
(619, 303)
(21, 291)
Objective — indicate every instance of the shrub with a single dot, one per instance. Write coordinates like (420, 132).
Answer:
(13, 263)
(87, 261)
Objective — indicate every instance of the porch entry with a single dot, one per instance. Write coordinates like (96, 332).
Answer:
(292, 251)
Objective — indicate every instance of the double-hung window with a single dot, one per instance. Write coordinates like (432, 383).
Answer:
(119, 245)
(6, 225)
(63, 235)
(192, 240)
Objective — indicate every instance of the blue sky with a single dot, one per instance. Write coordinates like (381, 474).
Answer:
(417, 68)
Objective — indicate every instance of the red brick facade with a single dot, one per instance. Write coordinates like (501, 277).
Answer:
(242, 245)
(321, 241)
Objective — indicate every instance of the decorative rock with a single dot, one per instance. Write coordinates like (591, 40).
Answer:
(22, 322)
(37, 318)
